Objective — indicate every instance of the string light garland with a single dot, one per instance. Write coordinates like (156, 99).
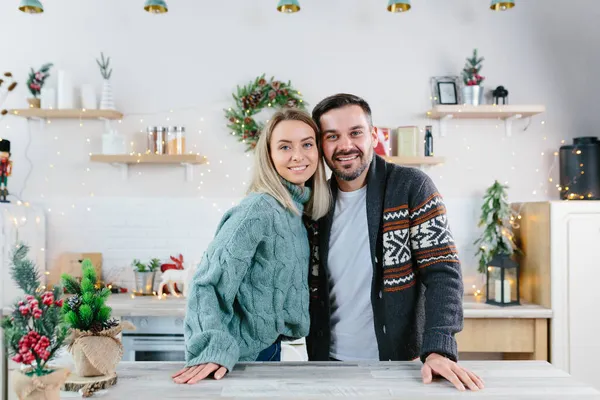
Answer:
(546, 178)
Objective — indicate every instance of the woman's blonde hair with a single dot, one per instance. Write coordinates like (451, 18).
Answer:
(267, 180)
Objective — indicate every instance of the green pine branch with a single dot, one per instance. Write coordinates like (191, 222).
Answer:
(24, 271)
(104, 66)
(71, 284)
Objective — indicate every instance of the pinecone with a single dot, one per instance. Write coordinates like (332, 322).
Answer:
(253, 99)
(96, 327)
(74, 302)
(111, 323)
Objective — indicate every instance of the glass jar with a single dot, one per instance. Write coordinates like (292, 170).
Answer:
(157, 139)
(176, 140)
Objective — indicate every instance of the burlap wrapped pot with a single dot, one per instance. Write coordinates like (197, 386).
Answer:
(45, 387)
(97, 353)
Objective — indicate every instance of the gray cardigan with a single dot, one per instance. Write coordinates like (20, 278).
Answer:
(417, 287)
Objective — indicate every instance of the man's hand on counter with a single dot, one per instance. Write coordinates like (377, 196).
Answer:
(436, 364)
(191, 375)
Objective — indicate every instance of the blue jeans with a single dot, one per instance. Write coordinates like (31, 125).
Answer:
(271, 353)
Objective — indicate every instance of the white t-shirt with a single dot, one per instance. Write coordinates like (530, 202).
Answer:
(350, 275)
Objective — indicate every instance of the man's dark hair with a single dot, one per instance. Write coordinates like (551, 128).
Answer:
(338, 101)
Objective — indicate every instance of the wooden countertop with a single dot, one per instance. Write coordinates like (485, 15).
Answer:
(401, 380)
(123, 305)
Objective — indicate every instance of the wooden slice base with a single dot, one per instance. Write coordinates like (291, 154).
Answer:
(74, 382)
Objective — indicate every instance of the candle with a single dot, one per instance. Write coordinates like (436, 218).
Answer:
(498, 291)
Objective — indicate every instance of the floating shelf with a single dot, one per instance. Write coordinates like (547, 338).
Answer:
(123, 161)
(42, 113)
(508, 113)
(416, 160)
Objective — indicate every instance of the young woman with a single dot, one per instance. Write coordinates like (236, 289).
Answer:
(251, 288)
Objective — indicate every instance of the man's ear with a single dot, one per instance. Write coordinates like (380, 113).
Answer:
(375, 136)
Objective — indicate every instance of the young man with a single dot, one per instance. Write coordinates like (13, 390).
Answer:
(385, 277)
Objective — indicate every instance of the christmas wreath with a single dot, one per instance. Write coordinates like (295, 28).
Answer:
(252, 99)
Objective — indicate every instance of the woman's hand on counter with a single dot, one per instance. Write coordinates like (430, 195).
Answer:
(191, 375)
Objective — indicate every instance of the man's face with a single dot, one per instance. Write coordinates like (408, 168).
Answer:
(348, 141)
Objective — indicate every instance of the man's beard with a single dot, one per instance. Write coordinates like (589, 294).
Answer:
(346, 175)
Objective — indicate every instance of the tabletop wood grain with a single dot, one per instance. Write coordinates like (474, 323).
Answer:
(374, 380)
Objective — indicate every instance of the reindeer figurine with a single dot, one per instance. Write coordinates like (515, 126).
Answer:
(181, 277)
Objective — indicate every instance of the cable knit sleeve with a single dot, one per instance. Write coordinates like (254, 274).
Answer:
(216, 284)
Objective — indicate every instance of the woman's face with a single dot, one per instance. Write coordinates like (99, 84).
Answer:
(294, 151)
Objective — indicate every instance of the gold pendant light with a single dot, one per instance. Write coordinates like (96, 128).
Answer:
(156, 6)
(288, 6)
(502, 5)
(31, 7)
(397, 6)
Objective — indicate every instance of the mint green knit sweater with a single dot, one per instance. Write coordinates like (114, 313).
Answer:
(252, 283)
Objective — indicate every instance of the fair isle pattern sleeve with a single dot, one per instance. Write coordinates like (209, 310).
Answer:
(398, 272)
(430, 236)
(438, 267)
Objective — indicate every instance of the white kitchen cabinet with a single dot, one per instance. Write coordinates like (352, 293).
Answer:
(561, 270)
(583, 316)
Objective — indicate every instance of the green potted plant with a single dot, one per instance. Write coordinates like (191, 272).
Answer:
(145, 274)
(93, 341)
(34, 332)
(472, 89)
(36, 82)
(496, 217)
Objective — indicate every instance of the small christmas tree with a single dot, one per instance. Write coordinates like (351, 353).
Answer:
(471, 70)
(35, 330)
(497, 237)
(86, 310)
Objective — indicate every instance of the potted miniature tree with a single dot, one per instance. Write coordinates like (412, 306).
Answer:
(34, 332)
(472, 89)
(145, 274)
(93, 341)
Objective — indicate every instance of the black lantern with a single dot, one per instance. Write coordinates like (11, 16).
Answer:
(502, 281)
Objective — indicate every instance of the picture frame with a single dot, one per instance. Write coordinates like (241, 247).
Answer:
(446, 90)
(447, 93)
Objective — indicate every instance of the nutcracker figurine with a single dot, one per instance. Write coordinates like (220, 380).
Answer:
(5, 169)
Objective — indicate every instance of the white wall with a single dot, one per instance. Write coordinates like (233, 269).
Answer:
(195, 55)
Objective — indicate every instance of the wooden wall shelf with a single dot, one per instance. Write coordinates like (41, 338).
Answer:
(123, 161)
(416, 160)
(507, 113)
(41, 113)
